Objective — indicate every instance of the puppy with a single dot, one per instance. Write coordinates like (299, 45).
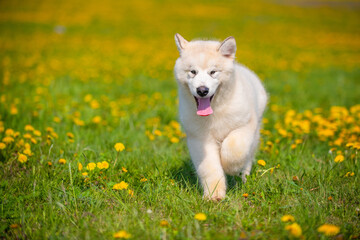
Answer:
(221, 104)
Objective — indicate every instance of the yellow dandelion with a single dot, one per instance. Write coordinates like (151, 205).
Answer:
(57, 119)
(94, 104)
(84, 174)
(13, 110)
(8, 139)
(37, 133)
(287, 218)
(62, 161)
(28, 152)
(261, 162)
(122, 234)
(164, 223)
(70, 135)
(80, 166)
(88, 98)
(105, 164)
(329, 229)
(339, 158)
(120, 186)
(27, 135)
(119, 147)
(200, 216)
(2, 145)
(124, 169)
(174, 140)
(294, 229)
(96, 120)
(158, 132)
(9, 132)
(29, 128)
(91, 166)
(22, 158)
(99, 165)
(245, 195)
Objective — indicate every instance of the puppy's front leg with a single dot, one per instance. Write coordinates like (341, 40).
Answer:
(206, 159)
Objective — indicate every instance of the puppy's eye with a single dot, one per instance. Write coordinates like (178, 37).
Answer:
(193, 72)
(212, 72)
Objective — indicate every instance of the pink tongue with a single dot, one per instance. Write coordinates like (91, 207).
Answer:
(204, 108)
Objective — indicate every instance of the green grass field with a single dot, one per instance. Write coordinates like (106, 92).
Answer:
(78, 77)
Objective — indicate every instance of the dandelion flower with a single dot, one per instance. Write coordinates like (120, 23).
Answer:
(28, 152)
(62, 161)
(157, 132)
(9, 132)
(122, 234)
(99, 165)
(8, 139)
(105, 164)
(120, 186)
(84, 173)
(2, 145)
(80, 166)
(245, 195)
(124, 169)
(287, 218)
(339, 158)
(261, 162)
(329, 229)
(174, 140)
(164, 223)
(70, 135)
(22, 158)
(56, 119)
(200, 216)
(37, 133)
(49, 164)
(119, 147)
(96, 120)
(27, 135)
(294, 229)
(29, 128)
(91, 166)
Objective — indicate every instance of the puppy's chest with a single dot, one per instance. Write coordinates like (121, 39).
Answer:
(222, 125)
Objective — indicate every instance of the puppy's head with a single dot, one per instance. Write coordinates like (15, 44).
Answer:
(202, 67)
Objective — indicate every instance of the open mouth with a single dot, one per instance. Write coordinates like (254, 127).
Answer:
(203, 106)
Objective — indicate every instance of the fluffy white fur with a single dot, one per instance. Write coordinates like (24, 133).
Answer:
(225, 141)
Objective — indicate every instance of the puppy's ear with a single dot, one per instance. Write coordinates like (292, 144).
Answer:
(228, 47)
(181, 43)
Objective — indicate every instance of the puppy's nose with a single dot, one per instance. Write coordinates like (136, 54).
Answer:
(202, 91)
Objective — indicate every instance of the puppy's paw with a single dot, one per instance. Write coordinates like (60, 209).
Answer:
(216, 195)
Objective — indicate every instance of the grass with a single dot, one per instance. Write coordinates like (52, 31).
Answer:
(103, 73)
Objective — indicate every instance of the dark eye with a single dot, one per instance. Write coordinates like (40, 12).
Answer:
(212, 72)
(193, 72)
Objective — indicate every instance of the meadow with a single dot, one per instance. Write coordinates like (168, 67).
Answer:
(91, 146)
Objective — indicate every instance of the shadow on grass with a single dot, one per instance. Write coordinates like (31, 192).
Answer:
(186, 176)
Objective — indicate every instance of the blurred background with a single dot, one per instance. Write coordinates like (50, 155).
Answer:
(112, 41)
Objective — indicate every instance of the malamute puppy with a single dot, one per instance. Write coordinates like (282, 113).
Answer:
(221, 104)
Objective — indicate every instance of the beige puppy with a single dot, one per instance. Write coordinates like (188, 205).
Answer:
(221, 104)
